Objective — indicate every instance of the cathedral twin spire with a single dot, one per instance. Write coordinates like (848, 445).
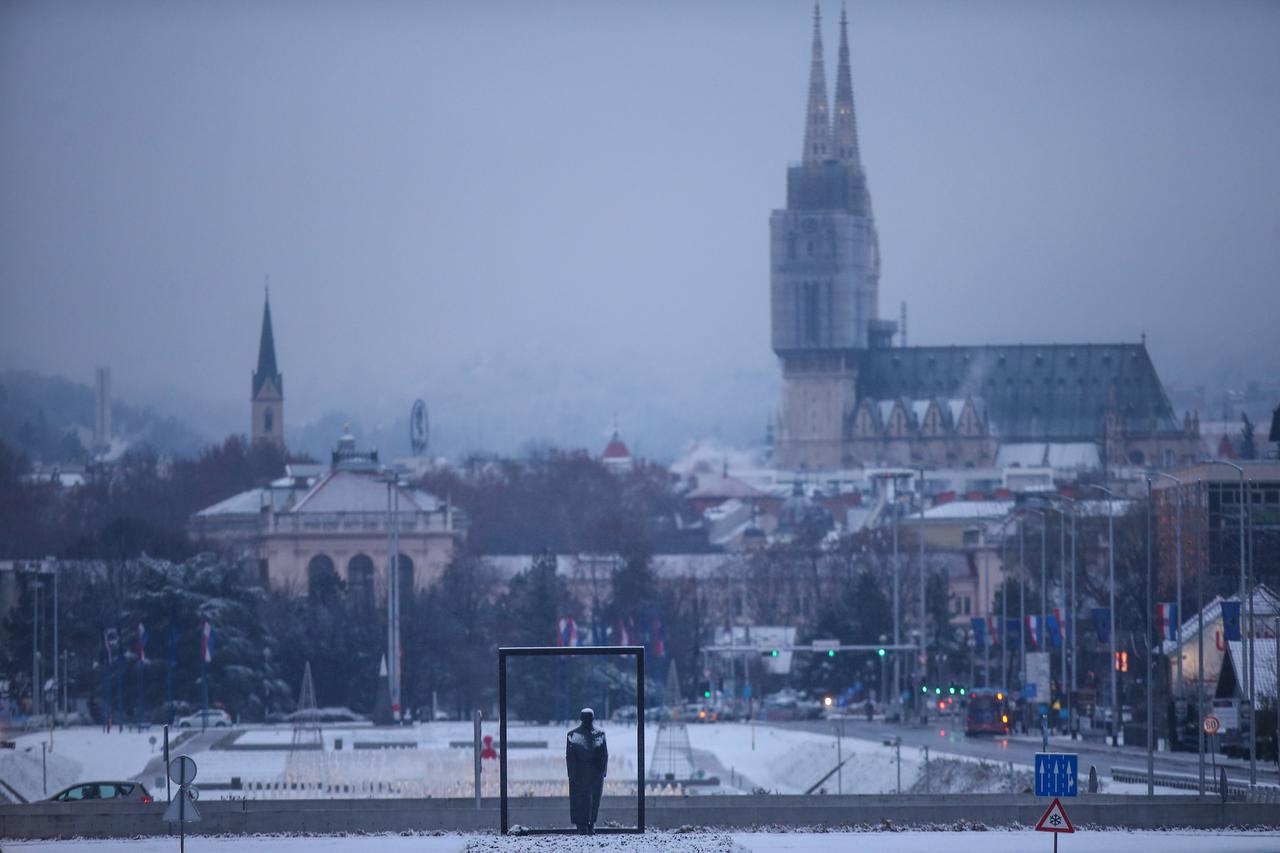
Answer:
(825, 139)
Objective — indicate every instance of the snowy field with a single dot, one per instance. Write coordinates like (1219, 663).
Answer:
(420, 761)
(697, 842)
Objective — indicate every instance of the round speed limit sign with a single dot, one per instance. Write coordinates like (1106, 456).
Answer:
(1211, 725)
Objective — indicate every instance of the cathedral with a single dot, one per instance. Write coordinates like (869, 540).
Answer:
(852, 399)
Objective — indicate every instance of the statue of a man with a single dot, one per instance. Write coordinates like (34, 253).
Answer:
(587, 757)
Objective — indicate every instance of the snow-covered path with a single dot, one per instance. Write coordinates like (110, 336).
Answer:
(798, 842)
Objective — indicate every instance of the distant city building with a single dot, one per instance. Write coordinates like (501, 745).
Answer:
(851, 399)
(313, 527)
(617, 457)
(267, 398)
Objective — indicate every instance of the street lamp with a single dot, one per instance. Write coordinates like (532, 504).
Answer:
(1062, 594)
(1111, 583)
(1244, 587)
(394, 485)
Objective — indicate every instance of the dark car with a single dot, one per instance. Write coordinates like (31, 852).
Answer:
(98, 791)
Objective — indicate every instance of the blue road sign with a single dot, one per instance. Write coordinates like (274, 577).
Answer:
(1056, 774)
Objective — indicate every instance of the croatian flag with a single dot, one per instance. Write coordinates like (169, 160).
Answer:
(659, 638)
(1033, 631)
(1167, 618)
(142, 643)
(567, 635)
(206, 642)
(1064, 624)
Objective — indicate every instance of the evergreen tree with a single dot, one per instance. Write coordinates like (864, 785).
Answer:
(1248, 448)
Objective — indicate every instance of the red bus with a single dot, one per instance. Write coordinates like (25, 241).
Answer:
(987, 712)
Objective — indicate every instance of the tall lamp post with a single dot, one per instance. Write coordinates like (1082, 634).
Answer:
(1111, 585)
(924, 619)
(1248, 634)
(394, 484)
(1150, 650)
(1062, 606)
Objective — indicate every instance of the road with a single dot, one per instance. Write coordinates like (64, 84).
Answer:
(947, 735)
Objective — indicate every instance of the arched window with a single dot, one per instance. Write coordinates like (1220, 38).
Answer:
(360, 573)
(405, 567)
(322, 578)
(268, 419)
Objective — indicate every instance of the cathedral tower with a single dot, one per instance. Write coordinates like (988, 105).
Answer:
(267, 399)
(824, 276)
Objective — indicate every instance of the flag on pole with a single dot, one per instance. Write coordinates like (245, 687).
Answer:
(1064, 623)
(142, 643)
(1167, 619)
(567, 635)
(993, 629)
(206, 642)
(1033, 631)
(659, 638)
(1231, 620)
(1102, 623)
(979, 632)
(1051, 628)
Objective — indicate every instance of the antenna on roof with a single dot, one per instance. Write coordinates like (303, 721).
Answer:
(902, 323)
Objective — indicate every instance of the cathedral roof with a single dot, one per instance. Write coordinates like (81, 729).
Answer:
(616, 448)
(1054, 392)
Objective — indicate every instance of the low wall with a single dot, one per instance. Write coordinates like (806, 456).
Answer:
(57, 820)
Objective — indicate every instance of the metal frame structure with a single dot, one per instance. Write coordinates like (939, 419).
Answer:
(505, 652)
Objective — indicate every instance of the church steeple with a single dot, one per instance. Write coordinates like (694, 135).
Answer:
(266, 352)
(845, 134)
(266, 403)
(817, 123)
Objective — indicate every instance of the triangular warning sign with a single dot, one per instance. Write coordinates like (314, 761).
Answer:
(1055, 819)
(189, 813)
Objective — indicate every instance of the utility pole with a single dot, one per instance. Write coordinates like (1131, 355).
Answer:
(1151, 664)
(1111, 584)
(924, 623)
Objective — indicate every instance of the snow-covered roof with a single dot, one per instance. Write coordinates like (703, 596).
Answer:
(919, 408)
(360, 491)
(956, 407)
(726, 487)
(968, 509)
(1264, 666)
(1266, 606)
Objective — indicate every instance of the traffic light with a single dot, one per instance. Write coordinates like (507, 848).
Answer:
(952, 690)
(831, 653)
(705, 687)
(1122, 661)
(924, 688)
(773, 653)
(880, 652)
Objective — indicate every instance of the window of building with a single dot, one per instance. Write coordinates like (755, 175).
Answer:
(322, 578)
(360, 574)
(268, 419)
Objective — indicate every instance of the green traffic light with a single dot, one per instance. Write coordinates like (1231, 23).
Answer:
(953, 690)
(937, 691)
(961, 691)
(773, 654)
(924, 688)
(880, 652)
(706, 694)
(831, 653)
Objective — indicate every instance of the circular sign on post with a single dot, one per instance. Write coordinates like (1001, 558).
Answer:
(1211, 725)
(182, 770)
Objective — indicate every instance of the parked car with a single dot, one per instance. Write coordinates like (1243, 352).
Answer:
(99, 791)
(214, 718)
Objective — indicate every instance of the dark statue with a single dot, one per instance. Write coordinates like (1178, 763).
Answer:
(587, 757)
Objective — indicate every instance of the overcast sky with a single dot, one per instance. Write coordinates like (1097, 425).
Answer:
(521, 208)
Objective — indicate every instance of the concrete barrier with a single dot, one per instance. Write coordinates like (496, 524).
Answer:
(242, 817)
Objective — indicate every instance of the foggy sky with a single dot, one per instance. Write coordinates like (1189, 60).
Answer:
(537, 215)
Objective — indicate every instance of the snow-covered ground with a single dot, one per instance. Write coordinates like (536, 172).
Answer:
(421, 761)
(697, 842)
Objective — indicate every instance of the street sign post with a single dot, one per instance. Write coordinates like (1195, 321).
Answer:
(1057, 774)
(183, 811)
(1055, 820)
